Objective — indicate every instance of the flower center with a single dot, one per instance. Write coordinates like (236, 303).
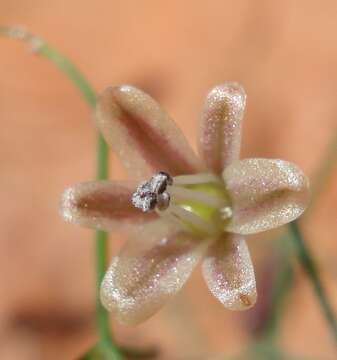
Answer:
(200, 203)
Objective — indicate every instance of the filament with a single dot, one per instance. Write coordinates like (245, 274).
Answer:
(189, 194)
(195, 179)
(189, 218)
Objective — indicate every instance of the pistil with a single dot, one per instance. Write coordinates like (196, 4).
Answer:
(200, 202)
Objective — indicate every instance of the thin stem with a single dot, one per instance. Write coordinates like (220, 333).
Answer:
(323, 173)
(282, 282)
(99, 350)
(295, 236)
(101, 255)
(91, 354)
(309, 267)
(71, 71)
(303, 253)
(133, 353)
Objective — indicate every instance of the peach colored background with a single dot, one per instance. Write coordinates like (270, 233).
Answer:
(285, 55)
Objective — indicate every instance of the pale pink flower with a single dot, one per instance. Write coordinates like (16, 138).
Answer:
(212, 203)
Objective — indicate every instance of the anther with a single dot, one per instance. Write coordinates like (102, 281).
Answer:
(152, 194)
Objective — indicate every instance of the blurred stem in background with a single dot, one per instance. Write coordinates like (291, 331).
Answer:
(106, 346)
(309, 266)
(101, 174)
(293, 242)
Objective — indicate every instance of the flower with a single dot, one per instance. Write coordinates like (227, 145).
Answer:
(181, 209)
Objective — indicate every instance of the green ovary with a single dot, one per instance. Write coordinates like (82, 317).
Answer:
(209, 214)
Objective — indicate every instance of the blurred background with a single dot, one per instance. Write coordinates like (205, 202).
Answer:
(285, 55)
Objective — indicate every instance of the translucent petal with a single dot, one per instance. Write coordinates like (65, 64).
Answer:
(142, 134)
(265, 194)
(102, 205)
(152, 266)
(229, 272)
(220, 130)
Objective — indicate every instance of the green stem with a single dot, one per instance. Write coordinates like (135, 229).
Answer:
(295, 236)
(282, 282)
(72, 73)
(324, 171)
(101, 257)
(309, 267)
(91, 354)
(70, 70)
(100, 350)
(133, 353)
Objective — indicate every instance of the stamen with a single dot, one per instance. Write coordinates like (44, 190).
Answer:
(189, 194)
(198, 202)
(144, 198)
(195, 179)
(187, 217)
(151, 194)
(160, 181)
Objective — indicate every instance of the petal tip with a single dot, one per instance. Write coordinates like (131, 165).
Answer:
(230, 93)
(229, 273)
(266, 193)
(297, 183)
(149, 270)
(220, 127)
(117, 301)
(119, 95)
(105, 104)
(142, 134)
(67, 204)
(240, 299)
(117, 89)
(126, 88)
(246, 301)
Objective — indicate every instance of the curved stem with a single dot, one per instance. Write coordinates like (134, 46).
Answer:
(309, 267)
(324, 171)
(282, 282)
(294, 235)
(70, 70)
(134, 353)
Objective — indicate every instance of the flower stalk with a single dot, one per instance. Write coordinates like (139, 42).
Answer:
(293, 238)
(71, 71)
(310, 269)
